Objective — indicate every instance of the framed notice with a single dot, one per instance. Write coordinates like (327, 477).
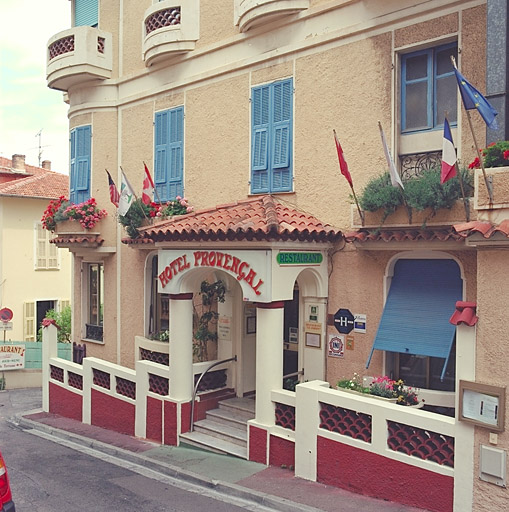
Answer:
(482, 405)
(251, 325)
(313, 340)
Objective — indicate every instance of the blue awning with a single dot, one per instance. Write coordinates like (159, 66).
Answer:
(416, 315)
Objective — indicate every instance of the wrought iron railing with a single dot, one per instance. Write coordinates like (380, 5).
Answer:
(197, 385)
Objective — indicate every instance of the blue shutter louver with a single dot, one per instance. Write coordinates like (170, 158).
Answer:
(80, 164)
(169, 146)
(86, 13)
(416, 314)
(271, 159)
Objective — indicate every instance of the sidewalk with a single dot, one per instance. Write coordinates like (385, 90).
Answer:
(272, 487)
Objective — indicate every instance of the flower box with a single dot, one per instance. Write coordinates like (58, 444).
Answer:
(70, 227)
(499, 179)
(399, 219)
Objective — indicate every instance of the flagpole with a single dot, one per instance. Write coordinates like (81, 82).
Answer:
(361, 213)
(134, 193)
(479, 156)
(155, 189)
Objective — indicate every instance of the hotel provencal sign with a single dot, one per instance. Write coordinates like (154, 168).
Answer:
(252, 269)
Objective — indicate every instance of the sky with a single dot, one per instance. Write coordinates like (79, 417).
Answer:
(27, 105)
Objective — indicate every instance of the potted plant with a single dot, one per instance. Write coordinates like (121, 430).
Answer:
(61, 215)
(141, 214)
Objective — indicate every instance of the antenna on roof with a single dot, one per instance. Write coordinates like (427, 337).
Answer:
(39, 134)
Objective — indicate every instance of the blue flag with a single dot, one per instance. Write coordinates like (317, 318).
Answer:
(472, 98)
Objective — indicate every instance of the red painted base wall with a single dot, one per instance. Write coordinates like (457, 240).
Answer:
(111, 413)
(170, 423)
(257, 445)
(65, 403)
(154, 419)
(370, 474)
(282, 452)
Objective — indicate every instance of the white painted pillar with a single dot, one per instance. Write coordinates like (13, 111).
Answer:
(49, 350)
(269, 358)
(181, 346)
(464, 438)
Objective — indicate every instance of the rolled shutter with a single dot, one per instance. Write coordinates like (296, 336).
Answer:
(86, 13)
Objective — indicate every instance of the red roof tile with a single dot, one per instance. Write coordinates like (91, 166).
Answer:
(89, 240)
(487, 229)
(259, 218)
(465, 314)
(36, 182)
(402, 235)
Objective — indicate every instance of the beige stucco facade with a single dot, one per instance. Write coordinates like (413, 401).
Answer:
(344, 60)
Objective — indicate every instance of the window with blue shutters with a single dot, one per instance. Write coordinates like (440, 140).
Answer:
(271, 137)
(86, 13)
(81, 144)
(169, 154)
(428, 88)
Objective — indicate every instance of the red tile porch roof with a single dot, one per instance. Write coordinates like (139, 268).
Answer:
(486, 229)
(259, 218)
(465, 313)
(403, 235)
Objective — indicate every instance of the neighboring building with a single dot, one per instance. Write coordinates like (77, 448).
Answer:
(232, 104)
(35, 276)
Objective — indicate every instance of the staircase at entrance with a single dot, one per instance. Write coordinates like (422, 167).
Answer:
(224, 430)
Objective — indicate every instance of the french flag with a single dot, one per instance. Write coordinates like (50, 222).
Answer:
(448, 155)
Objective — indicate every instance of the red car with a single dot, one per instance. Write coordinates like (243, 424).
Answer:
(6, 503)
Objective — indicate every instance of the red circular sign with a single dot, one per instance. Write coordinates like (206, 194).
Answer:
(5, 315)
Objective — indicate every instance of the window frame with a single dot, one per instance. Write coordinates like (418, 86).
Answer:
(268, 135)
(51, 252)
(92, 331)
(431, 79)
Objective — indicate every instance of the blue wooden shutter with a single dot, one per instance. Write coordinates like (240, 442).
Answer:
(82, 164)
(86, 13)
(176, 143)
(161, 154)
(72, 181)
(260, 139)
(281, 137)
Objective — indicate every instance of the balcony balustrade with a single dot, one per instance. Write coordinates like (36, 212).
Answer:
(251, 13)
(78, 55)
(170, 27)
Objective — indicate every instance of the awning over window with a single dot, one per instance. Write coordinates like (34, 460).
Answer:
(416, 315)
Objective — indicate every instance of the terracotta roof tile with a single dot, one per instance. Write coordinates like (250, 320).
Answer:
(259, 218)
(91, 239)
(36, 182)
(402, 235)
(465, 314)
(486, 229)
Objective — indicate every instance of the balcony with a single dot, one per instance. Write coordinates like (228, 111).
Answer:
(78, 55)
(251, 13)
(170, 29)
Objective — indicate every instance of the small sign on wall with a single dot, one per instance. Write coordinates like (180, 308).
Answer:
(224, 327)
(336, 345)
(359, 323)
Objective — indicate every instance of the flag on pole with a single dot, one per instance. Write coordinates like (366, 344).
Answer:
(395, 179)
(114, 193)
(448, 155)
(473, 99)
(148, 187)
(126, 196)
(342, 162)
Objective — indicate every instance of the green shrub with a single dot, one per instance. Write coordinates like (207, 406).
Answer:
(379, 194)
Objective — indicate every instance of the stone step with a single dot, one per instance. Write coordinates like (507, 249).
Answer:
(213, 444)
(243, 408)
(228, 417)
(230, 433)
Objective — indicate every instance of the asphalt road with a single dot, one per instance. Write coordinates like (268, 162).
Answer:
(47, 476)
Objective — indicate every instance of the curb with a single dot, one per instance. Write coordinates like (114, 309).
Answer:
(225, 488)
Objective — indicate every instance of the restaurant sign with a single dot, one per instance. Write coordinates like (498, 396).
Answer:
(12, 357)
(299, 258)
(250, 268)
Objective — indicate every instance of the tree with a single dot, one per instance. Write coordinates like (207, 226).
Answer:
(63, 319)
